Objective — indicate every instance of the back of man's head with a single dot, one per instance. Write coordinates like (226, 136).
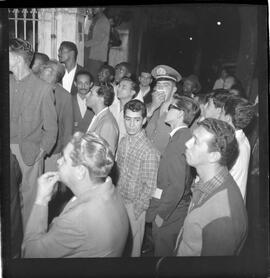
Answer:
(93, 152)
(58, 69)
(223, 141)
(240, 110)
(189, 106)
(38, 61)
(23, 48)
(107, 92)
(71, 46)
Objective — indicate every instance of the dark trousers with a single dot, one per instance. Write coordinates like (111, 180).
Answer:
(93, 67)
(15, 207)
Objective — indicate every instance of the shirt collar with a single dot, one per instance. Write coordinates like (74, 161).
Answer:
(73, 70)
(100, 112)
(209, 186)
(136, 137)
(176, 129)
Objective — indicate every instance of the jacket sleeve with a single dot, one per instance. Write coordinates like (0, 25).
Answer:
(67, 120)
(174, 189)
(49, 115)
(110, 134)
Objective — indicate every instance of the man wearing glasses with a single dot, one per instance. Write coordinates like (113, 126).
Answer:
(170, 202)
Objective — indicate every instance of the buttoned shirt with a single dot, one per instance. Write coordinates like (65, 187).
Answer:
(68, 79)
(138, 163)
(82, 104)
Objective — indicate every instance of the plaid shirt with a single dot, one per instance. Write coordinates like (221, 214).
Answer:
(138, 163)
(202, 190)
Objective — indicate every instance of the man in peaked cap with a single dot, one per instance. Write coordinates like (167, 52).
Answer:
(166, 79)
(191, 85)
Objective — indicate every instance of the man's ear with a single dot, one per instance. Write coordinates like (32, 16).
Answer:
(214, 156)
(81, 171)
(174, 89)
(128, 74)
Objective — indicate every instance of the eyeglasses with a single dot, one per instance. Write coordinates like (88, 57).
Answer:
(172, 106)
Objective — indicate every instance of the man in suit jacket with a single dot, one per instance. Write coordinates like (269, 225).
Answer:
(52, 73)
(33, 120)
(97, 41)
(103, 123)
(67, 55)
(94, 223)
(82, 115)
(170, 202)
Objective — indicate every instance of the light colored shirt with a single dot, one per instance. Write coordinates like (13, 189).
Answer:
(95, 117)
(239, 170)
(82, 104)
(219, 84)
(68, 79)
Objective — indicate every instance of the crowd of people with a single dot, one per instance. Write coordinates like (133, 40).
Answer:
(110, 165)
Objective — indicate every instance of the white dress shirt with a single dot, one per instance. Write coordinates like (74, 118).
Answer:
(239, 170)
(68, 79)
(82, 104)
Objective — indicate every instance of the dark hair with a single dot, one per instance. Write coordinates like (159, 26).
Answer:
(70, 46)
(239, 90)
(83, 72)
(224, 140)
(109, 68)
(22, 48)
(124, 64)
(189, 106)
(41, 56)
(135, 105)
(219, 96)
(107, 92)
(134, 85)
(201, 98)
(240, 110)
(94, 153)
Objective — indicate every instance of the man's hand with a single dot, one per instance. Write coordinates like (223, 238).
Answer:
(158, 221)
(46, 184)
(158, 97)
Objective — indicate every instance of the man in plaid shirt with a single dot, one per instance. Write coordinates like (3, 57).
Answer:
(138, 162)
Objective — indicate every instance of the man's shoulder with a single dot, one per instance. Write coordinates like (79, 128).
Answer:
(62, 91)
(148, 147)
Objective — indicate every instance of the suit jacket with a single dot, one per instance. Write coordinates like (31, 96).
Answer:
(64, 110)
(73, 88)
(79, 123)
(37, 118)
(174, 179)
(99, 42)
(93, 225)
(106, 126)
